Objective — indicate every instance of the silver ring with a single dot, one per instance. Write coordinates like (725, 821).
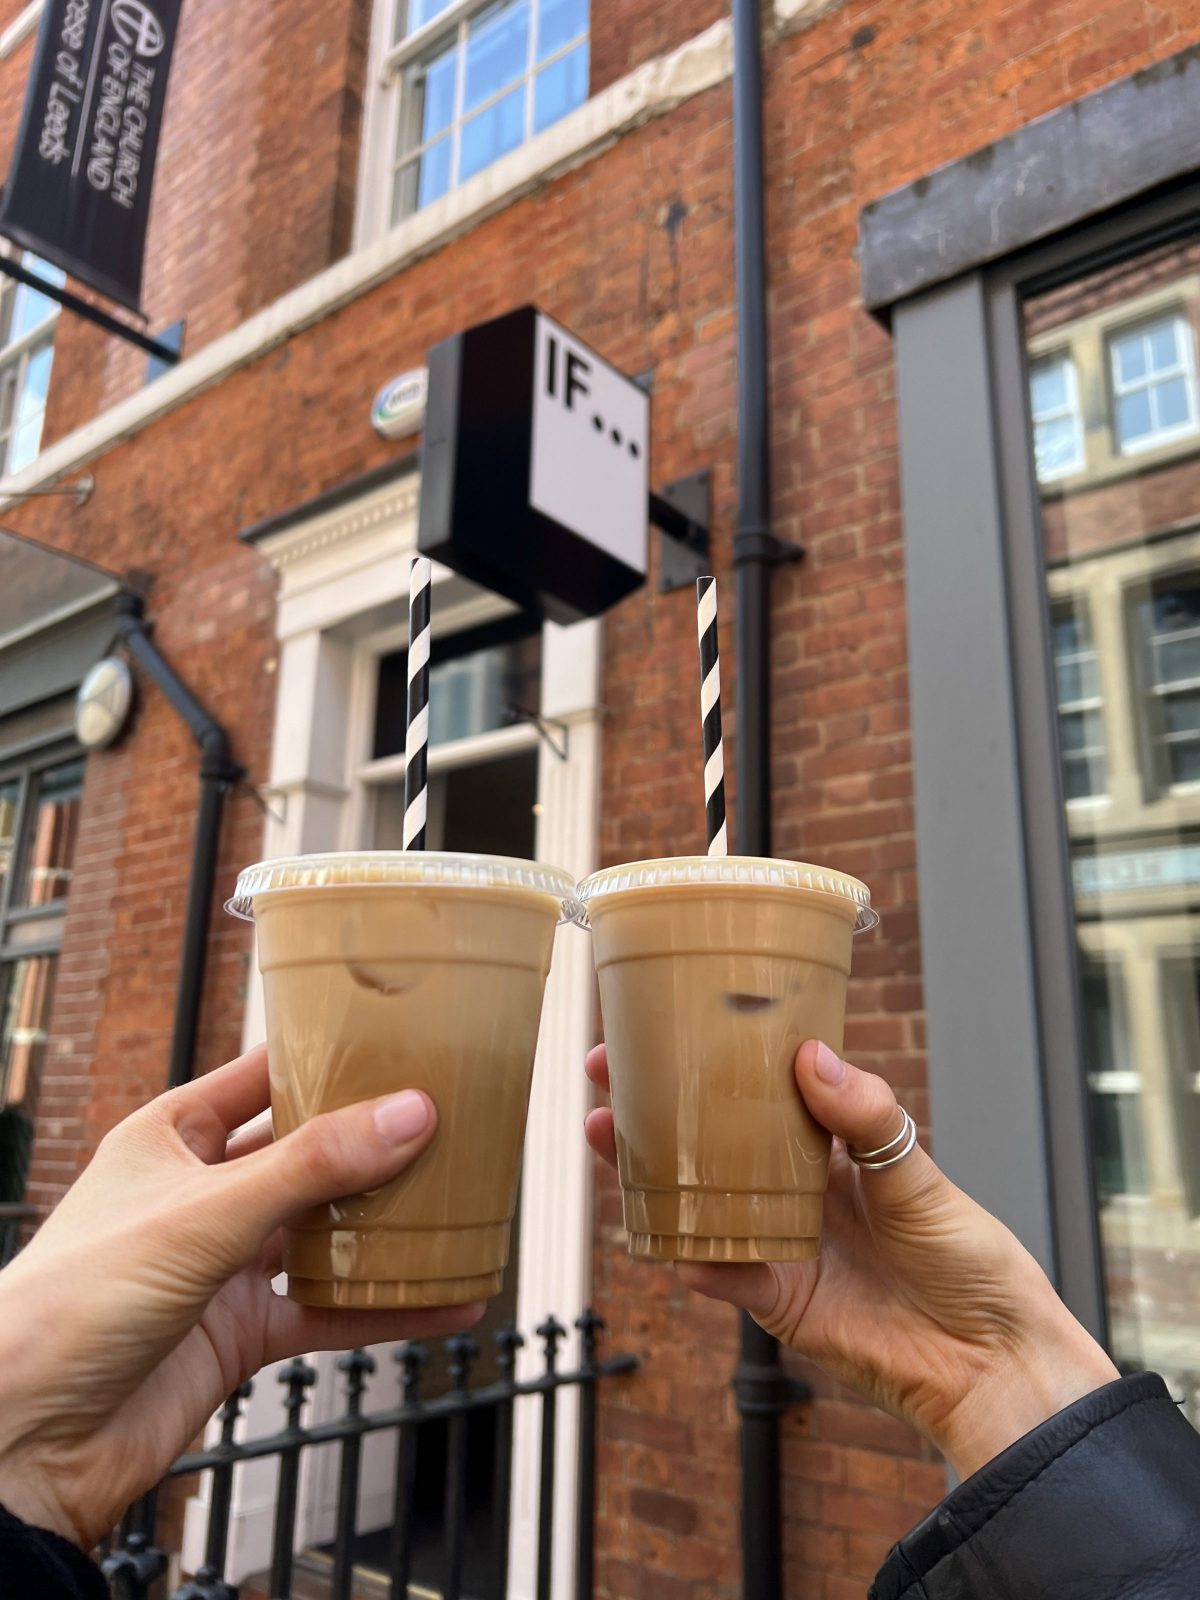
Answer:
(876, 1160)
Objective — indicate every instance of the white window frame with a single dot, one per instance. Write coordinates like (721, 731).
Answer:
(385, 107)
(1185, 368)
(1161, 690)
(1072, 410)
(343, 602)
(18, 353)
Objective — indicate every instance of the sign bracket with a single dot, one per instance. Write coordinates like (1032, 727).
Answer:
(90, 313)
(681, 513)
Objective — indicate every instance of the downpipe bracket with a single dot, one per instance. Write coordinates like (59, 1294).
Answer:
(765, 549)
(767, 1391)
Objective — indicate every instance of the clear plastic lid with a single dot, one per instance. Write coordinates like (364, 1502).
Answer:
(356, 869)
(698, 871)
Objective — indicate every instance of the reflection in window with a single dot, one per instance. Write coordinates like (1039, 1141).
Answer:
(1169, 623)
(25, 1001)
(1080, 713)
(483, 86)
(1122, 540)
(27, 323)
(1154, 385)
(1114, 1087)
(46, 871)
(1181, 986)
(469, 694)
(10, 793)
(1057, 422)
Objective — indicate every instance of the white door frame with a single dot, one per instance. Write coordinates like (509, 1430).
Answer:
(343, 588)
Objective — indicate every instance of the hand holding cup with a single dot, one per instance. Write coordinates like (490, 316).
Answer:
(919, 1298)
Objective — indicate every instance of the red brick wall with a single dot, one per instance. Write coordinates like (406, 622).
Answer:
(633, 250)
(254, 188)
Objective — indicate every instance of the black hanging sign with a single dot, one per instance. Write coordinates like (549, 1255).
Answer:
(78, 192)
(535, 467)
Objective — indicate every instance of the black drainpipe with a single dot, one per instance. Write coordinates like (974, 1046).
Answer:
(763, 1390)
(218, 772)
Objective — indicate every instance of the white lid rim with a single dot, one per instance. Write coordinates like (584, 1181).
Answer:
(695, 872)
(384, 869)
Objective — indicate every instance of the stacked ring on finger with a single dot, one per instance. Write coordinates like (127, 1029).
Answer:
(894, 1150)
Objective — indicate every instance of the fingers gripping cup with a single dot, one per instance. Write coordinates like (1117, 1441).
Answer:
(385, 971)
(713, 971)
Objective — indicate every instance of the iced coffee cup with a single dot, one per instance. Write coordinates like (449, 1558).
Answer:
(385, 971)
(713, 971)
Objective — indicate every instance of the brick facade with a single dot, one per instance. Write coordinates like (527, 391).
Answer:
(633, 250)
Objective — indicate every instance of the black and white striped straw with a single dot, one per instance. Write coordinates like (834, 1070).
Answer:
(416, 733)
(710, 713)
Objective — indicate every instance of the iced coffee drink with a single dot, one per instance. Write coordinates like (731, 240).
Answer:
(386, 971)
(713, 971)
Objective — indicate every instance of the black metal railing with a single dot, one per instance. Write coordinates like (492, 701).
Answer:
(12, 1215)
(134, 1561)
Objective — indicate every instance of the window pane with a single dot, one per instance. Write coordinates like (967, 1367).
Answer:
(25, 444)
(1184, 760)
(1078, 679)
(559, 21)
(1117, 1151)
(486, 807)
(560, 88)
(1073, 733)
(497, 52)
(1164, 348)
(437, 91)
(1048, 386)
(1129, 355)
(8, 395)
(422, 180)
(492, 134)
(416, 14)
(1177, 660)
(45, 874)
(32, 400)
(1080, 778)
(1133, 416)
(468, 694)
(10, 793)
(1174, 403)
(27, 996)
(1069, 631)
(1175, 606)
(1056, 445)
(1121, 557)
(1182, 713)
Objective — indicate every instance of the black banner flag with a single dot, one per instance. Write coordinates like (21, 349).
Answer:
(78, 192)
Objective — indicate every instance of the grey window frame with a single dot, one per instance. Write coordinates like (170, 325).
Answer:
(1008, 1086)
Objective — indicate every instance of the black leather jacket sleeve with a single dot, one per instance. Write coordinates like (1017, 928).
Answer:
(1102, 1502)
(37, 1565)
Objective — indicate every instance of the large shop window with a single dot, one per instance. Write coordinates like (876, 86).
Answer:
(39, 819)
(1121, 537)
(27, 323)
(468, 82)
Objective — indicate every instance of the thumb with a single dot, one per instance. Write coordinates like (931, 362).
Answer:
(862, 1110)
(348, 1151)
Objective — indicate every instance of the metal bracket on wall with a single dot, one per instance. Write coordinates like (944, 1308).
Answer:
(543, 726)
(682, 514)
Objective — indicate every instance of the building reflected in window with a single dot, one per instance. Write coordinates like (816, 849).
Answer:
(1114, 420)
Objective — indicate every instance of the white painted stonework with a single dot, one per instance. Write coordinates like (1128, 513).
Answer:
(343, 587)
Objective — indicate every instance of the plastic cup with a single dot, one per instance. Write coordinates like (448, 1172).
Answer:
(713, 971)
(385, 971)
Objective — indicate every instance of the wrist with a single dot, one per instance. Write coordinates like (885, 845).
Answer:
(25, 1495)
(1020, 1391)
